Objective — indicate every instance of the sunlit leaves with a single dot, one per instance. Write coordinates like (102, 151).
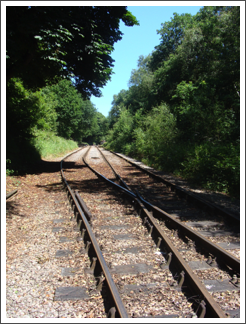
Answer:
(195, 70)
(44, 43)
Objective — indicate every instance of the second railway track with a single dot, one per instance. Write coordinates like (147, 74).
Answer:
(155, 278)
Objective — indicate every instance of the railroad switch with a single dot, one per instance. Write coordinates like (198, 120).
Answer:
(166, 265)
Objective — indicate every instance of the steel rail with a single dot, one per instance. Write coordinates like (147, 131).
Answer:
(189, 196)
(191, 279)
(84, 207)
(221, 254)
(120, 309)
(12, 193)
(117, 176)
(126, 191)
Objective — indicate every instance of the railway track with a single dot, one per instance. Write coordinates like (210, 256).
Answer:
(146, 263)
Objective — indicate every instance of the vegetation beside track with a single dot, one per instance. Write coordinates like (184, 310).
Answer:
(181, 113)
(50, 145)
(52, 72)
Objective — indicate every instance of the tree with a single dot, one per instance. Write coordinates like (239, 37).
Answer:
(155, 135)
(119, 102)
(193, 78)
(46, 114)
(140, 94)
(88, 124)
(45, 44)
(103, 126)
(76, 118)
(210, 60)
(23, 111)
(172, 34)
(121, 135)
(207, 58)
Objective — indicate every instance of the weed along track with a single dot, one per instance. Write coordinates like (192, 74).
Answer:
(143, 262)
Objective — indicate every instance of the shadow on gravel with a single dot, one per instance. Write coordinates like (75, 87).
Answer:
(91, 186)
(12, 209)
(47, 167)
(53, 187)
(215, 197)
(87, 186)
(72, 165)
(39, 167)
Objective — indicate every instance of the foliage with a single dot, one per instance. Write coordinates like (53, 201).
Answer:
(70, 116)
(50, 145)
(34, 118)
(172, 34)
(102, 127)
(206, 54)
(22, 114)
(47, 47)
(157, 132)
(187, 94)
(120, 137)
(119, 102)
(216, 166)
(200, 117)
(140, 94)
(22, 109)
(47, 115)
(68, 109)
(8, 170)
(46, 43)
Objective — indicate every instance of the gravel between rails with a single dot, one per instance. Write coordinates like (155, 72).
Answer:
(223, 200)
(32, 270)
(227, 300)
(143, 181)
(112, 210)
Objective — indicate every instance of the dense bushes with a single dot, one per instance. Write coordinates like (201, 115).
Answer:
(157, 132)
(120, 136)
(181, 112)
(216, 166)
(156, 141)
(48, 144)
(38, 122)
(56, 58)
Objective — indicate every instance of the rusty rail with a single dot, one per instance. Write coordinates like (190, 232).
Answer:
(12, 193)
(210, 307)
(222, 256)
(189, 196)
(117, 309)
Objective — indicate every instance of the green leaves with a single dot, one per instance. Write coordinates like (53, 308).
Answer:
(184, 100)
(44, 43)
(121, 135)
(129, 19)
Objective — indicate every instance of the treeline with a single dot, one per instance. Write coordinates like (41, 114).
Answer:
(181, 112)
(58, 109)
(56, 58)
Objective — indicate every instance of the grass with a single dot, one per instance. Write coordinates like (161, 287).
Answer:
(42, 145)
(49, 145)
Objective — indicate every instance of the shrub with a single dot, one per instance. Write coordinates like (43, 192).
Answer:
(50, 145)
(8, 170)
(216, 166)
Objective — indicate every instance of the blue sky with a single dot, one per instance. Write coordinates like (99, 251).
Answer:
(136, 41)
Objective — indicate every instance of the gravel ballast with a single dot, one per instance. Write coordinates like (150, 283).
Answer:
(40, 223)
